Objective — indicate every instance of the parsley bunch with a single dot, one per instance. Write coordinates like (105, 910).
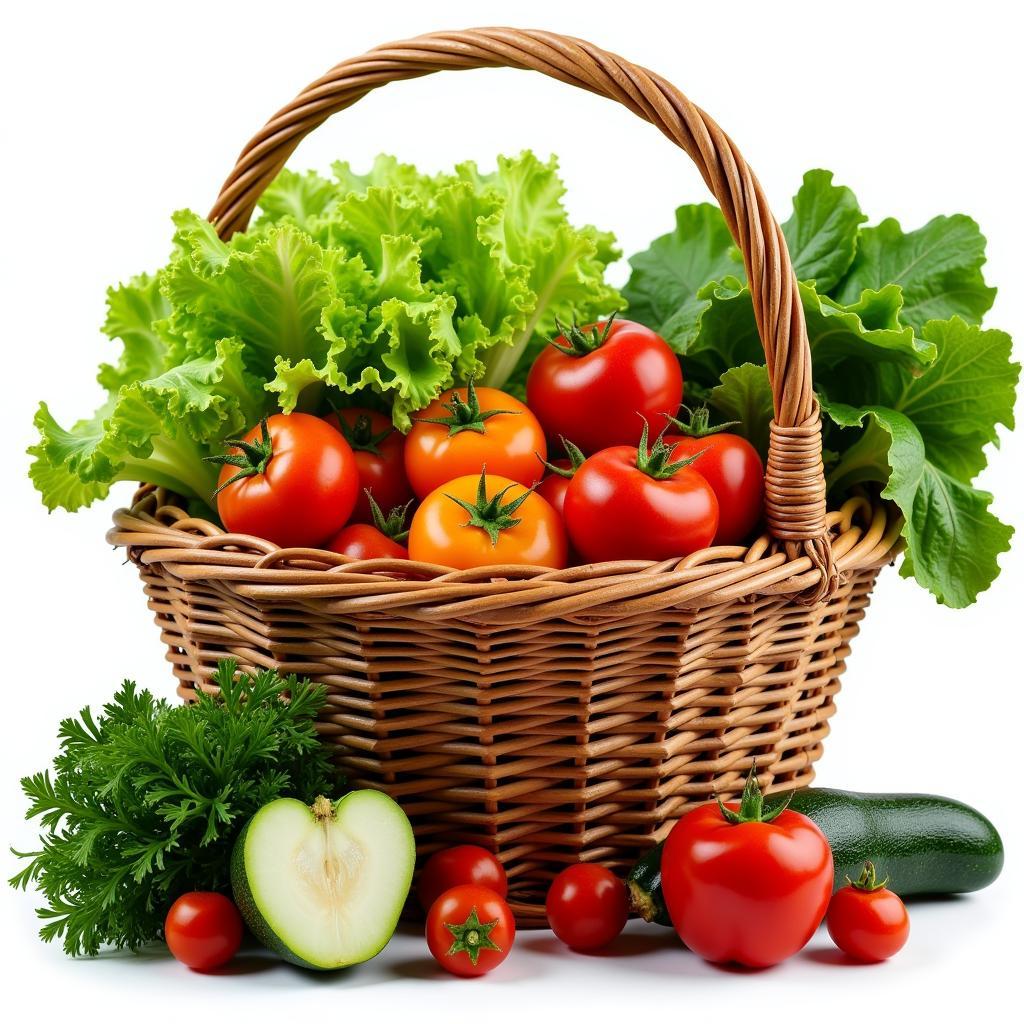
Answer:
(145, 802)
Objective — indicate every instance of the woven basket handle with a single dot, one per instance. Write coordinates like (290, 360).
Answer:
(794, 475)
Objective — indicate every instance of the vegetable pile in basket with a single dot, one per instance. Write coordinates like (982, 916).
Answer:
(374, 303)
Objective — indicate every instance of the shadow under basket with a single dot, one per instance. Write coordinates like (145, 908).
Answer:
(552, 716)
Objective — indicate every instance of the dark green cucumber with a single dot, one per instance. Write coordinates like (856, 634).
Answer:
(924, 845)
(644, 885)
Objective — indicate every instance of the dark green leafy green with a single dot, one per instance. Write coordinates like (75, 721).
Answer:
(145, 801)
(911, 387)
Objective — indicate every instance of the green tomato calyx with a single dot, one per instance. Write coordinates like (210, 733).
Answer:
(252, 459)
(656, 459)
(465, 415)
(581, 341)
(472, 936)
(489, 514)
(752, 806)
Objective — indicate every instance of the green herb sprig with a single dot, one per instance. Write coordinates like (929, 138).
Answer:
(145, 801)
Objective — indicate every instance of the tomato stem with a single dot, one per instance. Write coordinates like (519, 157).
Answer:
(392, 525)
(472, 936)
(696, 423)
(752, 807)
(360, 435)
(254, 458)
(465, 415)
(868, 881)
(489, 514)
(656, 459)
(576, 459)
(580, 341)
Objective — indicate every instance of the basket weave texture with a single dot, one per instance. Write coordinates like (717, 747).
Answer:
(562, 715)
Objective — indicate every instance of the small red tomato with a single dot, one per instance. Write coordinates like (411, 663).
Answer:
(460, 865)
(380, 458)
(746, 885)
(641, 502)
(291, 480)
(203, 930)
(560, 471)
(731, 465)
(587, 906)
(469, 429)
(384, 539)
(470, 930)
(866, 920)
(591, 382)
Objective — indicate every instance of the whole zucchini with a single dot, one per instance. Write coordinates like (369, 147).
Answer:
(923, 844)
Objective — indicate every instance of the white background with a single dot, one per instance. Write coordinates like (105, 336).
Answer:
(115, 114)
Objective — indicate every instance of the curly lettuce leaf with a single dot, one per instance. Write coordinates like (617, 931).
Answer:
(938, 268)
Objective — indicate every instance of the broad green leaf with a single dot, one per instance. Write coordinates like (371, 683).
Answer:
(938, 267)
(822, 232)
(664, 287)
(745, 396)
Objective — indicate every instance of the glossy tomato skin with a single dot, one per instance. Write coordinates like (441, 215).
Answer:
(587, 906)
(595, 398)
(613, 510)
(381, 471)
(360, 540)
(460, 865)
(508, 445)
(553, 487)
(752, 893)
(203, 930)
(868, 925)
(307, 492)
(731, 465)
(453, 950)
(439, 533)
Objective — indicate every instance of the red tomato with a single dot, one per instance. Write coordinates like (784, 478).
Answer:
(587, 906)
(379, 450)
(203, 930)
(292, 480)
(866, 920)
(746, 885)
(731, 465)
(469, 429)
(626, 503)
(487, 520)
(360, 540)
(560, 471)
(470, 930)
(591, 382)
(460, 865)
(384, 539)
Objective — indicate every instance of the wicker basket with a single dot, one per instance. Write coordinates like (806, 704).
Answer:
(552, 716)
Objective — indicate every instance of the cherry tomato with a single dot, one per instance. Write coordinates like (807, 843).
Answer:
(292, 480)
(560, 471)
(470, 930)
(731, 465)
(587, 906)
(380, 458)
(866, 920)
(487, 520)
(384, 539)
(591, 382)
(468, 429)
(745, 884)
(626, 503)
(203, 930)
(460, 865)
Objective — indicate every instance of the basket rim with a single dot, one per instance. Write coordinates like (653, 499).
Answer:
(158, 532)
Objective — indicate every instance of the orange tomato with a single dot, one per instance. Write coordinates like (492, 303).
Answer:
(487, 520)
(469, 429)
